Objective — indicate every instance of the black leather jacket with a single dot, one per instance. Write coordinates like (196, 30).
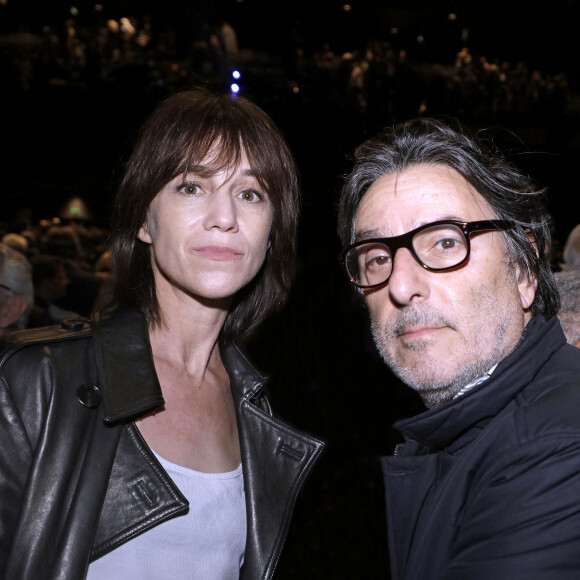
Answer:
(76, 477)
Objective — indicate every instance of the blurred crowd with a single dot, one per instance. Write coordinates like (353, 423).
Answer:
(67, 265)
(378, 79)
(388, 82)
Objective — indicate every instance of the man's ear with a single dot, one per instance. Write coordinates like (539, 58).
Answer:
(527, 288)
(527, 283)
(143, 233)
(11, 310)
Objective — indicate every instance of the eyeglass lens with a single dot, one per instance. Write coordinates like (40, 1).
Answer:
(439, 247)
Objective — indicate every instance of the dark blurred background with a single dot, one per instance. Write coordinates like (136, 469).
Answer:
(78, 79)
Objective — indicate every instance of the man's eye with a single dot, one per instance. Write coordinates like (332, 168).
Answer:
(378, 261)
(447, 244)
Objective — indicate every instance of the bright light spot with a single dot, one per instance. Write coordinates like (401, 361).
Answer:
(98, 7)
(452, 16)
(420, 38)
(235, 88)
(295, 90)
(347, 7)
(394, 30)
(236, 74)
(74, 10)
(126, 26)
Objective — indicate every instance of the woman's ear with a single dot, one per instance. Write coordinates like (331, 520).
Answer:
(143, 233)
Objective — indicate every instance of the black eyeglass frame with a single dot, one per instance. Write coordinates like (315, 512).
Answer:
(406, 241)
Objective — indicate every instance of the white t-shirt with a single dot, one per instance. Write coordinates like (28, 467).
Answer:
(207, 543)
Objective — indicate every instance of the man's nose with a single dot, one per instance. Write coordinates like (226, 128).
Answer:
(409, 280)
(221, 212)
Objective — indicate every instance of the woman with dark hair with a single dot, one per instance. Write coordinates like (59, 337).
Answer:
(142, 444)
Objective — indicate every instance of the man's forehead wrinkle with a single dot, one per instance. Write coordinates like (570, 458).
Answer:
(449, 196)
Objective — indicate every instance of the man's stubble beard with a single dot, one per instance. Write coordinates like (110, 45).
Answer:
(494, 328)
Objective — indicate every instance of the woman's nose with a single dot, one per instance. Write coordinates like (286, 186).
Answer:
(221, 212)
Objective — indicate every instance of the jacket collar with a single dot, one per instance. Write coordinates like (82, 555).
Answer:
(438, 427)
(245, 381)
(128, 380)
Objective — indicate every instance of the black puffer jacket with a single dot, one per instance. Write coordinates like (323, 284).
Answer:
(488, 485)
(76, 477)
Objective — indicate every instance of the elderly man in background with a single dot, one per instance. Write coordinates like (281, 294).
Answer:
(571, 253)
(569, 313)
(448, 244)
(16, 291)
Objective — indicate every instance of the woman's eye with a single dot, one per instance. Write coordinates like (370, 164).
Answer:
(190, 188)
(251, 195)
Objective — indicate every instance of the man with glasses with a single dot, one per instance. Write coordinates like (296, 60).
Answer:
(448, 245)
(16, 293)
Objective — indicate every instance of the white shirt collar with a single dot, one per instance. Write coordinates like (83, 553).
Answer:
(478, 381)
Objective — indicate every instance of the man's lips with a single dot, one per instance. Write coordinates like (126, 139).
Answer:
(419, 331)
(219, 253)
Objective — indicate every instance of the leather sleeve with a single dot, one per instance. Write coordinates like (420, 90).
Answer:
(53, 473)
(15, 461)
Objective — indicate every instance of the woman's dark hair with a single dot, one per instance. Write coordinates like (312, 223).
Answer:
(180, 133)
(512, 195)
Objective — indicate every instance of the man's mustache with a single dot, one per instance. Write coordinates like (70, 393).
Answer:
(418, 316)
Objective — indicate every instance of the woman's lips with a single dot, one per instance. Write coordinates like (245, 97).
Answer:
(219, 253)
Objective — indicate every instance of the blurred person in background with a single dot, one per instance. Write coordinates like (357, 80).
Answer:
(83, 285)
(571, 252)
(142, 444)
(569, 314)
(16, 242)
(16, 292)
(51, 281)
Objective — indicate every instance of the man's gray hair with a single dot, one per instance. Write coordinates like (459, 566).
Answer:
(511, 194)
